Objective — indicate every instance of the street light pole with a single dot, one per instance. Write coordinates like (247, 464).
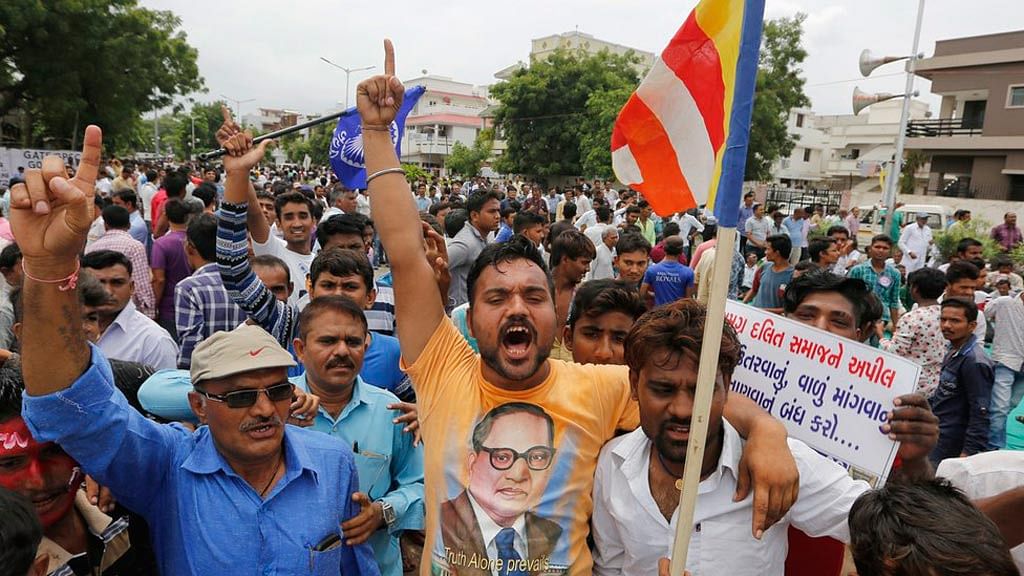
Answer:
(347, 72)
(238, 108)
(892, 182)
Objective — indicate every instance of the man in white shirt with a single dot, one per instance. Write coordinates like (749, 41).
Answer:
(914, 242)
(603, 265)
(636, 487)
(125, 333)
(687, 222)
(294, 212)
(1008, 354)
(342, 200)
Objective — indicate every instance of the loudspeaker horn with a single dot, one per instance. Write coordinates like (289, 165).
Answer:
(868, 61)
(862, 99)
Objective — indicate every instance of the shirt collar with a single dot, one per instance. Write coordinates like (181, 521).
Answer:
(359, 398)
(634, 449)
(489, 529)
(209, 268)
(124, 316)
(116, 233)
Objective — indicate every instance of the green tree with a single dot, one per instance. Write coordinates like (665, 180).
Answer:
(596, 130)
(466, 161)
(69, 63)
(913, 161)
(779, 89)
(414, 173)
(544, 110)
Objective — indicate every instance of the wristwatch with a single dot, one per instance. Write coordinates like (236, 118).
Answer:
(388, 512)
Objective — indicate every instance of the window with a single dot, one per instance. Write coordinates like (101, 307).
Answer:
(807, 154)
(1015, 98)
(799, 120)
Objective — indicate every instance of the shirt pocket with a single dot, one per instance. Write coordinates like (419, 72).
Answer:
(326, 562)
(728, 549)
(374, 478)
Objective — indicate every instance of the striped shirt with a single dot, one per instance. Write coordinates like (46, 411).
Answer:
(202, 307)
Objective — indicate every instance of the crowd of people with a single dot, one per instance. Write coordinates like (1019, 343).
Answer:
(235, 370)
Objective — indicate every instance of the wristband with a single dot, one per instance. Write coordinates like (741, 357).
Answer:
(64, 284)
(377, 127)
(383, 172)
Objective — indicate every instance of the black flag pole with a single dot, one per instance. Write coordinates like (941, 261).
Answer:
(276, 134)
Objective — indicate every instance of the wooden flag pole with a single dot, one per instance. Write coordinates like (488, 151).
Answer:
(706, 373)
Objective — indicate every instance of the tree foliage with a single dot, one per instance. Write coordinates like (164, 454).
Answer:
(547, 112)
(317, 145)
(779, 89)
(466, 161)
(913, 161)
(69, 63)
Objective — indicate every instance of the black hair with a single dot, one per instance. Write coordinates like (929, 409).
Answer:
(9, 256)
(12, 387)
(806, 266)
(202, 235)
(632, 243)
(598, 297)
(526, 220)
(437, 207)
(494, 255)
(292, 198)
(177, 211)
(603, 214)
(103, 259)
(128, 197)
(781, 244)
(571, 244)
(476, 201)
(152, 175)
(175, 183)
(340, 224)
(905, 529)
(634, 209)
(269, 261)
(674, 246)
(20, 533)
(455, 221)
(882, 238)
(818, 246)
(569, 211)
(207, 192)
(873, 312)
(341, 262)
(960, 270)
(930, 283)
(334, 303)
(670, 229)
(838, 229)
(483, 428)
(966, 243)
(116, 217)
(506, 212)
(970, 308)
(854, 290)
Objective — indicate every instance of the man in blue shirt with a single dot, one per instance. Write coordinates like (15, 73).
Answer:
(668, 280)
(332, 342)
(244, 494)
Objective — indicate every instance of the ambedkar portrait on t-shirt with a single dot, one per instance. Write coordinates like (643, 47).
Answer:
(490, 526)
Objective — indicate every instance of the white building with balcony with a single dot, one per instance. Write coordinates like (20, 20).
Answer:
(446, 113)
(845, 152)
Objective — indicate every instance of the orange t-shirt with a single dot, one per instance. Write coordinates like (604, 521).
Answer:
(542, 487)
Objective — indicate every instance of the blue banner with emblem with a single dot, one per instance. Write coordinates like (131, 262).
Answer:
(346, 151)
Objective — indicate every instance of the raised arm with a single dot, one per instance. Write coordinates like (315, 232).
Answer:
(238, 188)
(50, 217)
(417, 311)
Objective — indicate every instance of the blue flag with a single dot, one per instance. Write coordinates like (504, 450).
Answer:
(346, 152)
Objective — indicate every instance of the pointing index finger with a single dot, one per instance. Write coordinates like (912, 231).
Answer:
(389, 58)
(225, 112)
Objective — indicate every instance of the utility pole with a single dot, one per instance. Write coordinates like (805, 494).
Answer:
(347, 71)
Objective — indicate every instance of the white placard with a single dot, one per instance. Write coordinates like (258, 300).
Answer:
(13, 158)
(832, 393)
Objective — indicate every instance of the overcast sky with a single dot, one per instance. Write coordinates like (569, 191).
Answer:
(270, 50)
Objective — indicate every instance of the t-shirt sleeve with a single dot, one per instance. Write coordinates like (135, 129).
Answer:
(445, 363)
(649, 276)
(159, 260)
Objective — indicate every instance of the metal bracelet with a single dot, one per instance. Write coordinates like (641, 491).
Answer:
(383, 172)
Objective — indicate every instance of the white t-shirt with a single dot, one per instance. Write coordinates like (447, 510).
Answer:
(298, 264)
(602, 266)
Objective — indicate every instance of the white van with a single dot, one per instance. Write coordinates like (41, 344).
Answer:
(872, 219)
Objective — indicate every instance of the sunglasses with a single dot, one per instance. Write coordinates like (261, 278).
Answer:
(246, 398)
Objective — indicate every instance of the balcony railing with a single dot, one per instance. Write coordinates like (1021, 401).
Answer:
(942, 127)
(978, 192)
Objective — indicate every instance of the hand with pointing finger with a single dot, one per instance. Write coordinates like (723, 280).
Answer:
(51, 213)
(360, 527)
(379, 98)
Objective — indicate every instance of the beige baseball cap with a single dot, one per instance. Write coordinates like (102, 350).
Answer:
(243, 349)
